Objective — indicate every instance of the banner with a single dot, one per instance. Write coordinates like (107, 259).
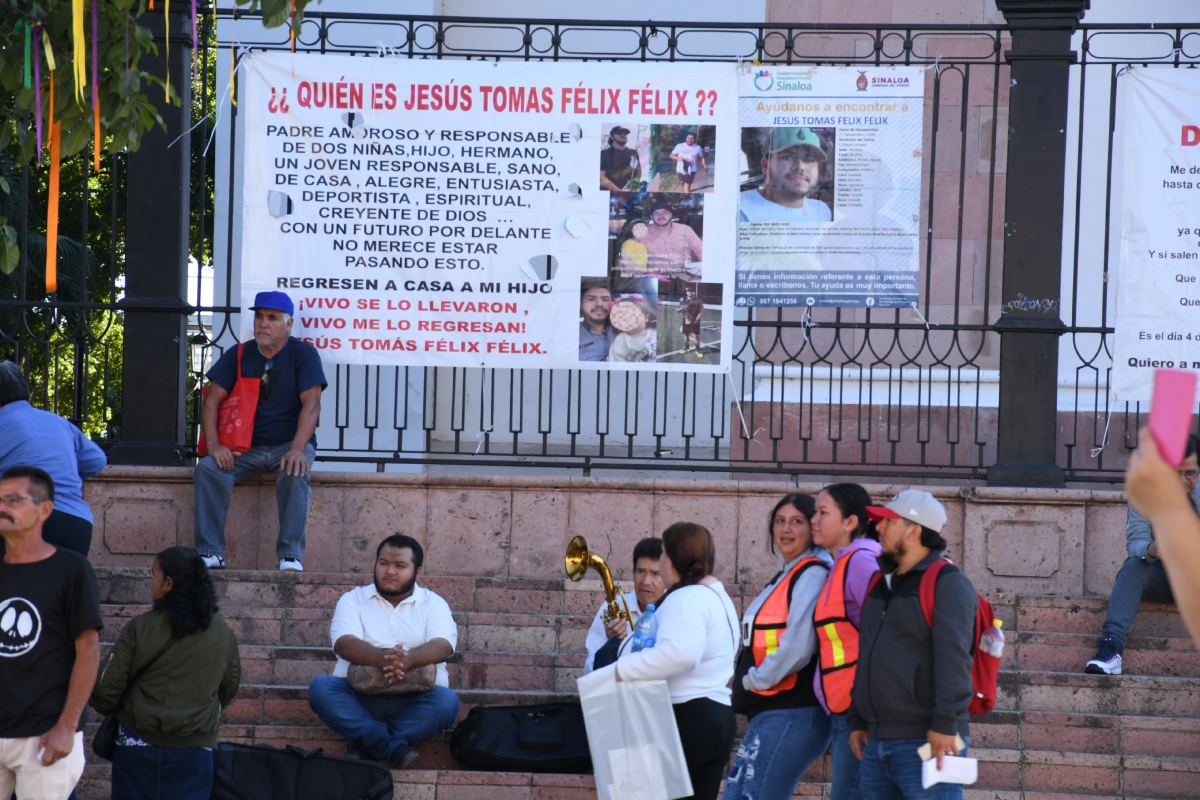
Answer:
(830, 182)
(1158, 292)
(511, 214)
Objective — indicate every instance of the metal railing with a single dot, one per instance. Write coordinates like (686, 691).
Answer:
(906, 393)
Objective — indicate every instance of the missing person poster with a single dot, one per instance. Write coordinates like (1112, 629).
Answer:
(830, 183)
(1158, 274)
(512, 214)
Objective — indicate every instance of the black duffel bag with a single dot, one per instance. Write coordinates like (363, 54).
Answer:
(262, 772)
(547, 738)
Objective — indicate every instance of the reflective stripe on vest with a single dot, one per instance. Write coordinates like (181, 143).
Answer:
(770, 623)
(837, 637)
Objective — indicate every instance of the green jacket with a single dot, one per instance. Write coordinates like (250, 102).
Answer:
(178, 702)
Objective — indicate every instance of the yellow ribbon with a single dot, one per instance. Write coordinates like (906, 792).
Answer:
(49, 51)
(167, 23)
(80, 65)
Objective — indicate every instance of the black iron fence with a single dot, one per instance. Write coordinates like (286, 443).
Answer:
(884, 393)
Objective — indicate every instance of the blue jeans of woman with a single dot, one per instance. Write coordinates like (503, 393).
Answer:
(891, 770)
(844, 784)
(778, 747)
(162, 773)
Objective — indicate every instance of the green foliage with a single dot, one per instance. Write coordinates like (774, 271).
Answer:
(277, 12)
(125, 111)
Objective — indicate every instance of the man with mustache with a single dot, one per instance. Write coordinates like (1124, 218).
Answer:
(49, 644)
(791, 169)
(396, 626)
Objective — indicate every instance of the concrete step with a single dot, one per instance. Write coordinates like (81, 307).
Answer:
(1071, 692)
(1004, 774)
(1070, 652)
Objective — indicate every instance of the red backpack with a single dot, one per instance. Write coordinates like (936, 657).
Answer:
(985, 667)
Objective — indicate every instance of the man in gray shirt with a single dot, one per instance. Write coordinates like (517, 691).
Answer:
(595, 334)
(1142, 576)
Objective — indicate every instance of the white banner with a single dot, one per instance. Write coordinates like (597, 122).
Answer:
(830, 182)
(512, 214)
(1158, 274)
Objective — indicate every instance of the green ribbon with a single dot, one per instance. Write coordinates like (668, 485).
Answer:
(23, 22)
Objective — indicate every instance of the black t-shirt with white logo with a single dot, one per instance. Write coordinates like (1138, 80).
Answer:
(44, 607)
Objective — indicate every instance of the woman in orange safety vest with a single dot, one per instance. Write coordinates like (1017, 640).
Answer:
(773, 682)
(841, 526)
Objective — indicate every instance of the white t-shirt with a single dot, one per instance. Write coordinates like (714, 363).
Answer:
(695, 647)
(598, 635)
(419, 618)
(690, 153)
(753, 207)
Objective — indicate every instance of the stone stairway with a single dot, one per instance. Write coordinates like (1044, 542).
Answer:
(1056, 733)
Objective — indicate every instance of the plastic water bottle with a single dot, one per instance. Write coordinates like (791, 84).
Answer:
(646, 630)
(992, 640)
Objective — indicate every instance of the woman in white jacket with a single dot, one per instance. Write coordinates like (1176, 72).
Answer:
(694, 653)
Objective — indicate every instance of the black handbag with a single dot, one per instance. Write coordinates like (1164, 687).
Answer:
(262, 772)
(104, 743)
(545, 738)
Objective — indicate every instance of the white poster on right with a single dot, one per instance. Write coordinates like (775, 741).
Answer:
(1158, 273)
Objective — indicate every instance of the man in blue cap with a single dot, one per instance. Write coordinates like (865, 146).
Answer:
(285, 424)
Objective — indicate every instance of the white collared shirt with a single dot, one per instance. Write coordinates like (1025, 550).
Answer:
(419, 618)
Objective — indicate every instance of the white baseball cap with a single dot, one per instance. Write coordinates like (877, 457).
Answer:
(913, 505)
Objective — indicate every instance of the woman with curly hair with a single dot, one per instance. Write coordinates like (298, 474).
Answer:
(189, 665)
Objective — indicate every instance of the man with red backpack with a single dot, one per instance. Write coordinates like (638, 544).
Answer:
(914, 680)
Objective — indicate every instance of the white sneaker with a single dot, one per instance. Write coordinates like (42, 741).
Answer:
(214, 562)
(1107, 660)
(291, 564)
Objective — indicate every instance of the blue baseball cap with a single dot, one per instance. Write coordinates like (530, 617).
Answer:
(278, 301)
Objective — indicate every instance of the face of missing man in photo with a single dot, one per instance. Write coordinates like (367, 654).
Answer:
(594, 307)
(619, 139)
(689, 139)
(792, 172)
(661, 217)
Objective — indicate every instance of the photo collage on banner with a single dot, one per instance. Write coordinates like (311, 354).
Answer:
(660, 178)
(1158, 272)
(511, 214)
(830, 181)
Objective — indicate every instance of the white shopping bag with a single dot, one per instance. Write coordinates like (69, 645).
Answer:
(636, 752)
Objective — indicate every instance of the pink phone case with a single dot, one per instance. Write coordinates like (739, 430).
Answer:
(1171, 412)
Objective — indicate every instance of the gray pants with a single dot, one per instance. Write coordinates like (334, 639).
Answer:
(1137, 581)
(214, 487)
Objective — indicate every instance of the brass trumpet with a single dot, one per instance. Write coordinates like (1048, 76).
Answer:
(578, 560)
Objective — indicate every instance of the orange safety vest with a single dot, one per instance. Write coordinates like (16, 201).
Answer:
(838, 639)
(770, 623)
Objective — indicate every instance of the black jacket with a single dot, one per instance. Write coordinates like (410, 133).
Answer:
(912, 679)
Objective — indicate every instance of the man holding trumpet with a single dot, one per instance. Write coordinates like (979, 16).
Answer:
(606, 635)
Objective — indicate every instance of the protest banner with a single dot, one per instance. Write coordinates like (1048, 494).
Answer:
(830, 182)
(1158, 272)
(512, 214)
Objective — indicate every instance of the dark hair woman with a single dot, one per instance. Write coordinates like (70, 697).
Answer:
(693, 652)
(773, 683)
(169, 718)
(842, 527)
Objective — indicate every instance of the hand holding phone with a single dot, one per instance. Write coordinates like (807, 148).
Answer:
(1171, 412)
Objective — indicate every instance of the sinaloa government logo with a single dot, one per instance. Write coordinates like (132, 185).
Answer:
(763, 80)
(20, 627)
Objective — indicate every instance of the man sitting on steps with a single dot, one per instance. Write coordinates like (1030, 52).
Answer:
(398, 627)
(1142, 576)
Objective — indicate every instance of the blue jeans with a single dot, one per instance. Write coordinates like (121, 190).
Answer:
(776, 750)
(844, 783)
(379, 724)
(162, 773)
(214, 487)
(1137, 581)
(891, 770)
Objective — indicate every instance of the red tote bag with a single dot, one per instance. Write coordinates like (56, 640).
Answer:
(235, 418)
